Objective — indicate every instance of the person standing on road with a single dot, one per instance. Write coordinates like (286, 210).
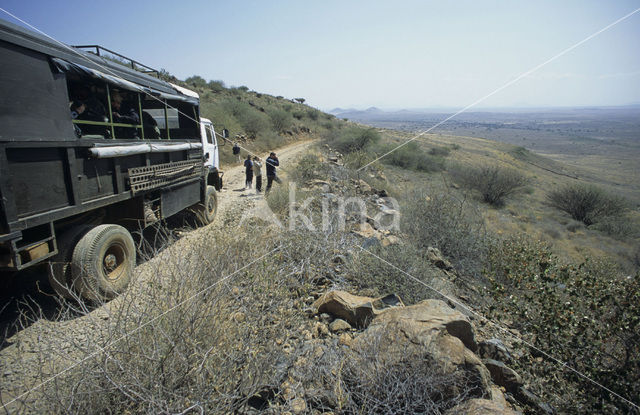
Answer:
(248, 170)
(257, 171)
(272, 162)
(236, 150)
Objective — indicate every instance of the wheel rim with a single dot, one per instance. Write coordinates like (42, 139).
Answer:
(211, 206)
(114, 262)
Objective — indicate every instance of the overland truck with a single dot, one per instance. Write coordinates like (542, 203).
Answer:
(91, 147)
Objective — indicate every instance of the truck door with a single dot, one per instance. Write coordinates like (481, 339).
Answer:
(210, 145)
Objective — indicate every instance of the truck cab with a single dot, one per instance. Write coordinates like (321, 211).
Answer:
(210, 149)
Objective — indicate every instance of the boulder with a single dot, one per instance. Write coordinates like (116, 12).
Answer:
(429, 330)
(436, 258)
(338, 325)
(365, 187)
(357, 311)
(390, 240)
(366, 230)
(480, 407)
(494, 349)
(503, 375)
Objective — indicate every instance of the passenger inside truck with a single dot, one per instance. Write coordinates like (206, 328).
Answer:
(124, 112)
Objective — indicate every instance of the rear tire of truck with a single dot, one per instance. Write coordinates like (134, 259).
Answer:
(103, 262)
(59, 268)
(206, 212)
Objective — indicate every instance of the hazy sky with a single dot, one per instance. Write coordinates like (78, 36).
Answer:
(400, 54)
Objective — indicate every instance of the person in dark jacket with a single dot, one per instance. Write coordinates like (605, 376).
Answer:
(272, 162)
(123, 113)
(236, 150)
(248, 170)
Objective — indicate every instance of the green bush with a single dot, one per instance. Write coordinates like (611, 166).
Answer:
(216, 86)
(253, 123)
(451, 225)
(196, 81)
(439, 151)
(308, 168)
(411, 156)
(494, 183)
(376, 278)
(586, 203)
(586, 315)
(280, 119)
(353, 139)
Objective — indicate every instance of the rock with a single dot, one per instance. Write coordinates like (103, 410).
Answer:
(356, 310)
(238, 317)
(306, 334)
(298, 406)
(365, 230)
(364, 187)
(503, 375)
(480, 407)
(324, 317)
(339, 325)
(390, 240)
(345, 339)
(524, 395)
(320, 330)
(494, 349)
(436, 258)
(428, 330)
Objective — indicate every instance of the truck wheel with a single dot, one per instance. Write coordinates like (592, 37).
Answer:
(103, 262)
(59, 269)
(206, 212)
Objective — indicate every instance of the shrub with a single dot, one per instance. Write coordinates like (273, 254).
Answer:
(439, 151)
(411, 385)
(451, 225)
(619, 226)
(585, 315)
(354, 139)
(280, 119)
(309, 167)
(313, 114)
(494, 183)
(196, 81)
(411, 156)
(376, 278)
(586, 203)
(253, 123)
(216, 86)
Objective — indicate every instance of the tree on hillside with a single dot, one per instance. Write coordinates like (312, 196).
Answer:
(300, 100)
(196, 81)
(216, 86)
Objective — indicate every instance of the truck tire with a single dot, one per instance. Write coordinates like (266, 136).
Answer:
(206, 212)
(103, 262)
(59, 269)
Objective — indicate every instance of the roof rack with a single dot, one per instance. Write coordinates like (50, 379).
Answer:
(118, 58)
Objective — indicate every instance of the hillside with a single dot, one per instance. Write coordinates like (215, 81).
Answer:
(355, 286)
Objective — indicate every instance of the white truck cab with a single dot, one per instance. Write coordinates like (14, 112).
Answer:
(210, 150)
(209, 144)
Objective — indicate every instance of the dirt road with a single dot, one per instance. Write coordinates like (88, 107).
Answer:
(22, 366)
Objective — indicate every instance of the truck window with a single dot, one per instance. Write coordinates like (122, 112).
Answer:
(209, 134)
(101, 110)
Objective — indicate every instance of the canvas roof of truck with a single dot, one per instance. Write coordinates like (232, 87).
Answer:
(20, 36)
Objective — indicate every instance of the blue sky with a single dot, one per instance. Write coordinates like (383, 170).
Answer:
(401, 54)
